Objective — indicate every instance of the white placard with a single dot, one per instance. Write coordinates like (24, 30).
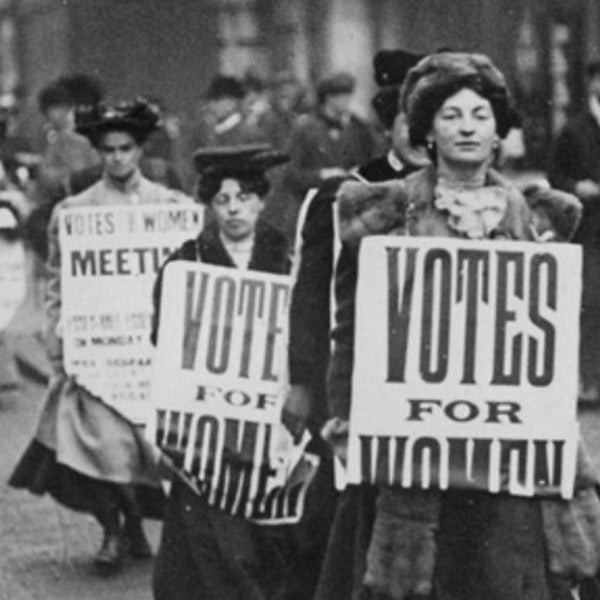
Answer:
(218, 387)
(110, 257)
(466, 365)
(13, 279)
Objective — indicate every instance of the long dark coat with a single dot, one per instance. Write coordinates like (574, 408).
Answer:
(576, 156)
(488, 547)
(207, 554)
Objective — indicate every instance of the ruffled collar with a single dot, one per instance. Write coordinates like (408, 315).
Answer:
(474, 210)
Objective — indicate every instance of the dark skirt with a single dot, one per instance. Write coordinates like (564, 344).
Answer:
(488, 548)
(205, 553)
(39, 472)
(346, 557)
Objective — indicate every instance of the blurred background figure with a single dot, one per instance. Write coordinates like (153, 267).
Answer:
(328, 142)
(13, 284)
(256, 104)
(574, 164)
(575, 167)
(160, 159)
(401, 157)
(289, 97)
(16, 153)
(221, 121)
(66, 151)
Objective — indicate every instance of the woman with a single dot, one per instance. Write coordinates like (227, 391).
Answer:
(84, 453)
(204, 552)
(460, 544)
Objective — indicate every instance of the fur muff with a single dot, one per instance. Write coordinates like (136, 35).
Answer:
(401, 556)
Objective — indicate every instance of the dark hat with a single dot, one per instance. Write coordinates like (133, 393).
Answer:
(391, 66)
(10, 221)
(54, 94)
(138, 118)
(237, 161)
(84, 90)
(338, 83)
(224, 86)
(385, 104)
(438, 76)
(244, 162)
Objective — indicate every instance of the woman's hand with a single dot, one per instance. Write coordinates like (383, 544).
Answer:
(296, 410)
(335, 433)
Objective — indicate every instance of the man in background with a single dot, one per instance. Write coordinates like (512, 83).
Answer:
(575, 168)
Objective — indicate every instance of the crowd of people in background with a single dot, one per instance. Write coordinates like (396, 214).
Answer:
(369, 543)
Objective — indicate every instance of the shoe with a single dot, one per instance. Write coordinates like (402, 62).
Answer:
(135, 539)
(109, 555)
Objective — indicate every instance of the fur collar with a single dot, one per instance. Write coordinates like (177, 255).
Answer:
(407, 206)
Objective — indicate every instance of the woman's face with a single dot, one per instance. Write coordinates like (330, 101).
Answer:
(120, 153)
(464, 129)
(236, 211)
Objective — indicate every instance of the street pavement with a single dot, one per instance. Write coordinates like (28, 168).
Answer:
(46, 550)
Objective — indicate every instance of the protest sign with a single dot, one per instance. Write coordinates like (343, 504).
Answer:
(218, 387)
(13, 279)
(110, 257)
(466, 363)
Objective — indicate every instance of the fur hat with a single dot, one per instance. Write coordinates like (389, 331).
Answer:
(138, 118)
(391, 66)
(562, 210)
(438, 76)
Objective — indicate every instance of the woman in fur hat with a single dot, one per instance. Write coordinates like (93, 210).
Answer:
(83, 452)
(459, 545)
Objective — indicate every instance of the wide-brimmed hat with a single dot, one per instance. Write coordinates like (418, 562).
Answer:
(439, 75)
(139, 118)
(237, 162)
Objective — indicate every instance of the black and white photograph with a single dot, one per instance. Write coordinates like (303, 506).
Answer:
(299, 299)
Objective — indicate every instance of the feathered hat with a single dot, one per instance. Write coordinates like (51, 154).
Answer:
(139, 118)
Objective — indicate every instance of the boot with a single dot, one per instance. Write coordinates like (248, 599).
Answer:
(133, 536)
(135, 539)
(109, 555)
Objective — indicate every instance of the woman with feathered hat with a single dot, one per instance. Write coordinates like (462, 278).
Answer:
(84, 453)
(455, 545)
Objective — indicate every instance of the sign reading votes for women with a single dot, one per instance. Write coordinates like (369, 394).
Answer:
(218, 387)
(110, 257)
(466, 362)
